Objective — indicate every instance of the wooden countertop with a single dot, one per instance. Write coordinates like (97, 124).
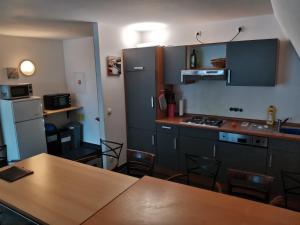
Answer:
(48, 112)
(227, 127)
(157, 202)
(62, 191)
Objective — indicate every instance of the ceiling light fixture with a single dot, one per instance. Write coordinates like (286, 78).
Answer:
(27, 67)
(147, 26)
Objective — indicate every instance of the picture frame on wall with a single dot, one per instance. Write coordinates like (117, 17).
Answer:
(114, 65)
(12, 73)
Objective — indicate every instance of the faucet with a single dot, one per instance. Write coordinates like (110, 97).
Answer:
(280, 123)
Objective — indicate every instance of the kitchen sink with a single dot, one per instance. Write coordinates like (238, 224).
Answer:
(290, 130)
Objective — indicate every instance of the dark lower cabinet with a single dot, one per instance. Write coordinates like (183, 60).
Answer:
(241, 157)
(283, 155)
(167, 152)
(196, 146)
(142, 140)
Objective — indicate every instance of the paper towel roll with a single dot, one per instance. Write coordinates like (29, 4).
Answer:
(181, 107)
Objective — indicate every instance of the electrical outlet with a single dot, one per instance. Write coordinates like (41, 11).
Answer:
(236, 109)
(241, 29)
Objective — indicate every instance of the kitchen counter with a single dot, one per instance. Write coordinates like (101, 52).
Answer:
(227, 127)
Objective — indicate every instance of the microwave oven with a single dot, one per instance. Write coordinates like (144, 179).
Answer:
(15, 91)
(57, 101)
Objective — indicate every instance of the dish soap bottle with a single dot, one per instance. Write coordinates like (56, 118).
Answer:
(193, 60)
(271, 114)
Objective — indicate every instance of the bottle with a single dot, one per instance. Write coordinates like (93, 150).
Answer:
(171, 105)
(193, 60)
(271, 114)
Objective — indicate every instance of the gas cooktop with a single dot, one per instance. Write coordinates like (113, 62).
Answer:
(204, 121)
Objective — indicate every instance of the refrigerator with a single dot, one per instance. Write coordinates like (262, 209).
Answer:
(23, 127)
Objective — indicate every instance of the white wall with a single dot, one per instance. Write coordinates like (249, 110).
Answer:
(47, 55)
(215, 98)
(80, 65)
(112, 41)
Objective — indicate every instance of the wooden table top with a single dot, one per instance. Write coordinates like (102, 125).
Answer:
(157, 202)
(61, 191)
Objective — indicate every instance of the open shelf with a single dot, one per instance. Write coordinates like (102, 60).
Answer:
(205, 54)
(67, 110)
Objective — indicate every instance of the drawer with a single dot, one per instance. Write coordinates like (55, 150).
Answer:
(166, 128)
(284, 144)
(199, 133)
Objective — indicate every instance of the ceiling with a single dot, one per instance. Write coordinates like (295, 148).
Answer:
(287, 14)
(50, 29)
(32, 16)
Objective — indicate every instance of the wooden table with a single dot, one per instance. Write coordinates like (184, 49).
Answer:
(62, 192)
(156, 202)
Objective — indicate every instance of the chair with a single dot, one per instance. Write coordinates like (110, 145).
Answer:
(3, 157)
(249, 185)
(205, 168)
(140, 163)
(291, 187)
(112, 150)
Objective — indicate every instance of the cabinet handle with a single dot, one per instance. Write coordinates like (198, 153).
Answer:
(166, 127)
(214, 151)
(138, 68)
(152, 102)
(153, 140)
(270, 160)
(229, 77)
(175, 143)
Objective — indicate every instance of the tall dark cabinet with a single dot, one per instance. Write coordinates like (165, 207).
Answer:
(140, 65)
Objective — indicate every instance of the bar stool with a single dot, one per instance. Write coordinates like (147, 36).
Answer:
(139, 163)
(291, 189)
(3, 157)
(205, 168)
(249, 185)
(111, 149)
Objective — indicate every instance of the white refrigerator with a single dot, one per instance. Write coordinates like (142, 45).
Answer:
(23, 127)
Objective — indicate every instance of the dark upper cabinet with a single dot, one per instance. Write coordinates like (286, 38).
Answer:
(243, 157)
(140, 99)
(283, 155)
(139, 59)
(142, 140)
(174, 62)
(252, 63)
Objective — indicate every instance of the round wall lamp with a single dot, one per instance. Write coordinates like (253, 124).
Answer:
(27, 67)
